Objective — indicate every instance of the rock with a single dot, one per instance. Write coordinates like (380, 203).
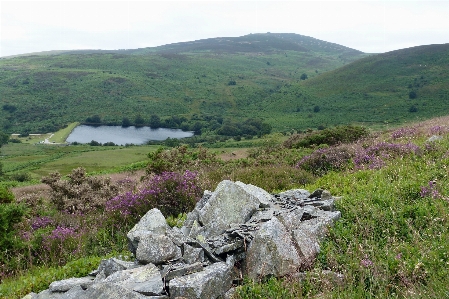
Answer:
(67, 284)
(30, 296)
(156, 249)
(192, 254)
(47, 294)
(308, 247)
(172, 271)
(291, 218)
(110, 291)
(74, 293)
(177, 237)
(146, 280)
(152, 222)
(434, 138)
(212, 282)
(295, 194)
(271, 252)
(230, 203)
(263, 196)
(112, 265)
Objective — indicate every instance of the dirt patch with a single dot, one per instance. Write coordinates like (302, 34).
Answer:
(233, 155)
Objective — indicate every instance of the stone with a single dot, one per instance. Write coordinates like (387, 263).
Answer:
(110, 291)
(230, 203)
(192, 254)
(295, 194)
(291, 218)
(263, 196)
(156, 249)
(177, 236)
(146, 280)
(74, 293)
(112, 265)
(272, 252)
(172, 271)
(307, 247)
(66, 284)
(152, 222)
(214, 281)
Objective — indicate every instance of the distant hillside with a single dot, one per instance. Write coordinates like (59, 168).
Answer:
(392, 87)
(220, 78)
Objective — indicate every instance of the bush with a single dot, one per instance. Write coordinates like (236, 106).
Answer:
(324, 160)
(329, 136)
(172, 193)
(79, 192)
(6, 196)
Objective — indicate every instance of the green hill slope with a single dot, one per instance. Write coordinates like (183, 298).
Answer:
(394, 87)
(197, 80)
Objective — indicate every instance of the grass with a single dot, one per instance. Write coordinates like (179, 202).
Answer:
(61, 135)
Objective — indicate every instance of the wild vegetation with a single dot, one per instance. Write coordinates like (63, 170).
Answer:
(64, 208)
(391, 242)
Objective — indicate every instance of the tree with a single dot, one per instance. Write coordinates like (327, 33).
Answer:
(4, 138)
(412, 95)
(316, 109)
(303, 76)
(139, 121)
(155, 121)
(126, 122)
(413, 109)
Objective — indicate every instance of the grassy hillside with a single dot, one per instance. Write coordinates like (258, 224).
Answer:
(392, 240)
(225, 77)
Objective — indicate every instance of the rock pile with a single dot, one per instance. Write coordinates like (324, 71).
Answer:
(236, 231)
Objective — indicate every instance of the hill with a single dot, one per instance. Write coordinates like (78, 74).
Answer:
(198, 81)
(380, 90)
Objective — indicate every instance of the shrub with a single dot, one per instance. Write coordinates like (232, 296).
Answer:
(79, 193)
(324, 160)
(6, 196)
(329, 136)
(170, 192)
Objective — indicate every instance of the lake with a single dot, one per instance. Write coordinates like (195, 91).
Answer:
(120, 135)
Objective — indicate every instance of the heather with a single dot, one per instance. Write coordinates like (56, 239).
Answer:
(391, 242)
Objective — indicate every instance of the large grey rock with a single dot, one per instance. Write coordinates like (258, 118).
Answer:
(112, 265)
(212, 282)
(175, 270)
(74, 293)
(66, 284)
(156, 249)
(230, 203)
(263, 196)
(291, 219)
(110, 291)
(192, 254)
(47, 294)
(152, 222)
(146, 280)
(271, 252)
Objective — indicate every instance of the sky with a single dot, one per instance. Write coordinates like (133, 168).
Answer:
(375, 26)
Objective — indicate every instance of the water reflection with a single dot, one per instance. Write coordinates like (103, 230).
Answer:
(120, 135)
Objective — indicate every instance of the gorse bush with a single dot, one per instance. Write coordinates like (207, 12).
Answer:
(329, 136)
(180, 159)
(79, 193)
(6, 196)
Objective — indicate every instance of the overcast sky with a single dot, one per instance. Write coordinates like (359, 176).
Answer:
(369, 26)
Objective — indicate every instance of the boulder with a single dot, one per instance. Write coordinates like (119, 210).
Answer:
(214, 281)
(152, 222)
(146, 280)
(272, 252)
(156, 249)
(110, 291)
(67, 284)
(230, 203)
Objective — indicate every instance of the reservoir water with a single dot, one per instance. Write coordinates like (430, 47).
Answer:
(121, 136)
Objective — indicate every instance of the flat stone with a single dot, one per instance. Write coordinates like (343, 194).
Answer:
(291, 219)
(156, 249)
(172, 271)
(112, 265)
(146, 280)
(110, 291)
(212, 282)
(66, 284)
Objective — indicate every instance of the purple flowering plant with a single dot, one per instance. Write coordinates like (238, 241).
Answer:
(171, 192)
